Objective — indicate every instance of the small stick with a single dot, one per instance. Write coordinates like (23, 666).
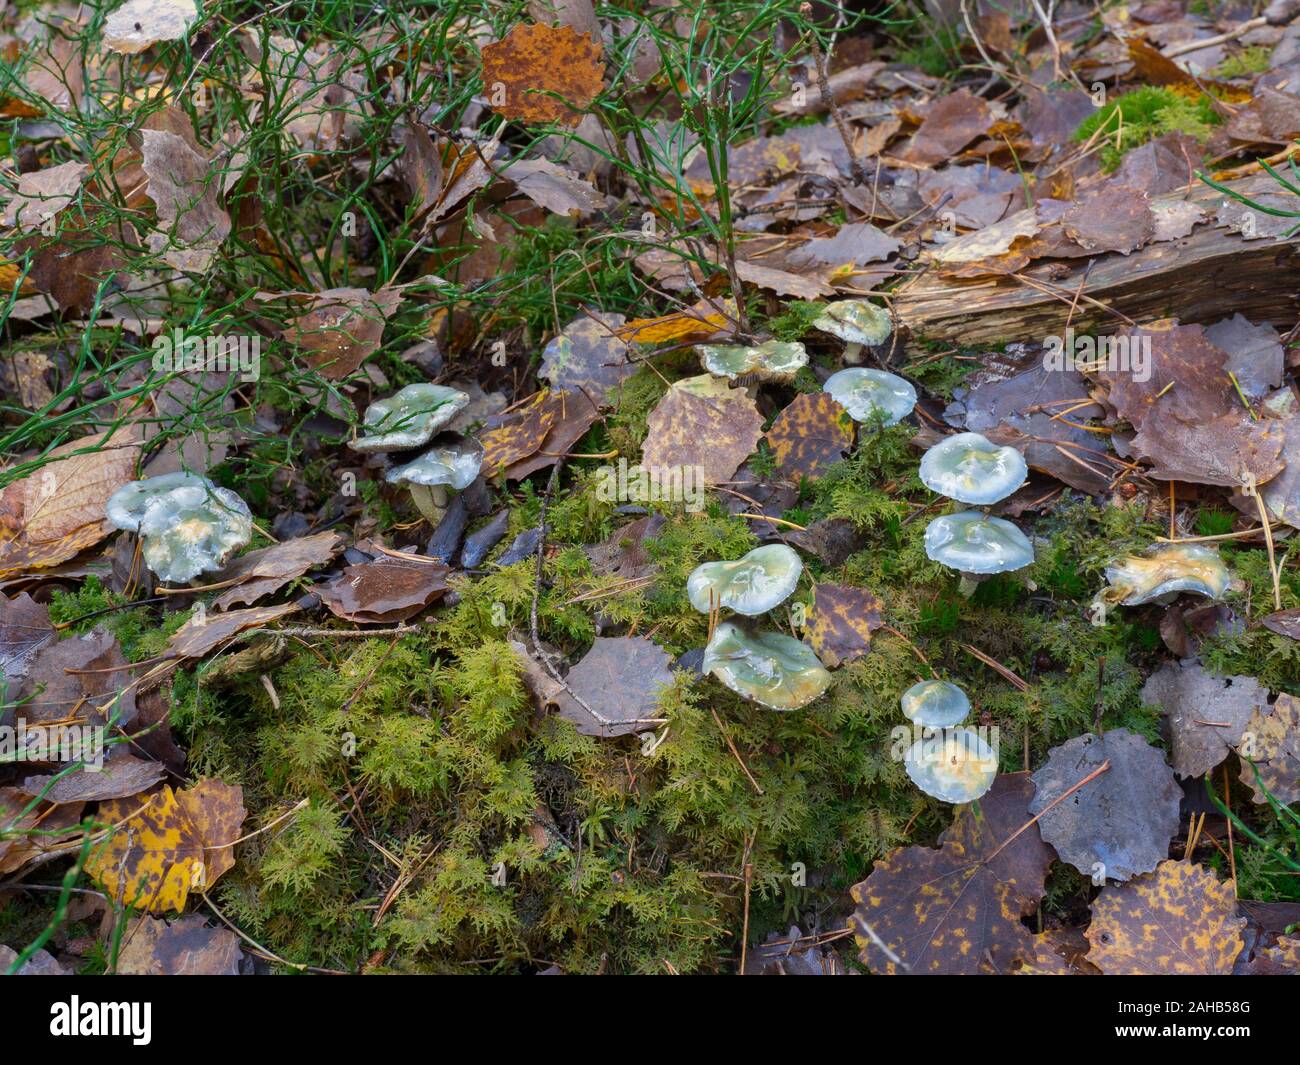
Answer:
(735, 753)
(828, 100)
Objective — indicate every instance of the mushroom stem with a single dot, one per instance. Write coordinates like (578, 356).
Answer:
(853, 354)
(967, 585)
(431, 500)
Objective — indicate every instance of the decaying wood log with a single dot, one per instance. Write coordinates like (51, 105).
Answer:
(1207, 275)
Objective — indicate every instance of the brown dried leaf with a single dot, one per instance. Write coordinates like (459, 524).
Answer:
(558, 190)
(78, 680)
(186, 189)
(542, 74)
(951, 123)
(1116, 218)
(57, 510)
(810, 435)
(188, 946)
(702, 422)
(24, 629)
(841, 622)
(619, 678)
(203, 633)
(42, 194)
(514, 436)
(574, 415)
(385, 590)
(137, 24)
(342, 328)
(588, 356)
(54, 825)
(1179, 920)
(119, 778)
(957, 910)
(268, 569)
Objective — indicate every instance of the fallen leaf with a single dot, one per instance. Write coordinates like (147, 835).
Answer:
(1207, 713)
(42, 194)
(841, 622)
(1272, 741)
(268, 569)
(574, 415)
(137, 24)
(554, 188)
(588, 356)
(1120, 823)
(78, 680)
(810, 435)
(185, 188)
(701, 422)
(24, 629)
(43, 828)
(620, 678)
(187, 946)
(1179, 920)
(385, 590)
(957, 910)
(119, 777)
(342, 328)
(511, 437)
(1116, 218)
(542, 74)
(698, 322)
(951, 123)
(203, 633)
(57, 510)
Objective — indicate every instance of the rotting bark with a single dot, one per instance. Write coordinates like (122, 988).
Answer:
(1210, 274)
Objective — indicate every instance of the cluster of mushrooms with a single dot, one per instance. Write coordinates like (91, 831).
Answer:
(950, 763)
(968, 468)
(410, 419)
(768, 668)
(186, 524)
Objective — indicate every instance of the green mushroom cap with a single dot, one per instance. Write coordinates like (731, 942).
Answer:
(935, 704)
(767, 668)
(969, 468)
(409, 417)
(867, 394)
(773, 360)
(455, 465)
(972, 542)
(193, 529)
(751, 585)
(1165, 570)
(856, 321)
(953, 765)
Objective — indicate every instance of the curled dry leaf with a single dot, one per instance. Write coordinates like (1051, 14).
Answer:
(57, 510)
(619, 678)
(386, 590)
(1179, 920)
(205, 632)
(554, 188)
(53, 825)
(268, 569)
(119, 777)
(542, 74)
(78, 680)
(186, 190)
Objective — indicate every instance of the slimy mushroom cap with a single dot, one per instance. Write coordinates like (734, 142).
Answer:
(767, 668)
(969, 468)
(754, 584)
(971, 542)
(866, 393)
(855, 321)
(772, 360)
(935, 704)
(409, 417)
(953, 765)
(193, 529)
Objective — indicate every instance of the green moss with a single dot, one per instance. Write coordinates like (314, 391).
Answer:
(1252, 60)
(1142, 115)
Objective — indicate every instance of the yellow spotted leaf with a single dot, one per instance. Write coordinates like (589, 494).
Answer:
(511, 437)
(1180, 920)
(810, 435)
(841, 622)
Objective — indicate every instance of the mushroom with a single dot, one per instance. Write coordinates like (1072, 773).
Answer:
(953, 765)
(751, 585)
(866, 394)
(857, 321)
(191, 529)
(453, 466)
(409, 417)
(768, 668)
(772, 360)
(975, 544)
(128, 504)
(1166, 570)
(969, 468)
(935, 704)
